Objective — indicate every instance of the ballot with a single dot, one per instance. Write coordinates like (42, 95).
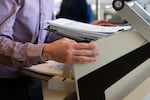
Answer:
(82, 32)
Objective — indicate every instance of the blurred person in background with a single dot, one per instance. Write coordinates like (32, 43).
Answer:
(78, 10)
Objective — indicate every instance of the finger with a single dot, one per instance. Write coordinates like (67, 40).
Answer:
(107, 24)
(86, 53)
(84, 46)
(97, 22)
(83, 59)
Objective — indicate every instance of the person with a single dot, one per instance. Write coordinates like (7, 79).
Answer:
(78, 10)
(24, 42)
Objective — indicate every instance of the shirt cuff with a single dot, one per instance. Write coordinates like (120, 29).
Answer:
(35, 53)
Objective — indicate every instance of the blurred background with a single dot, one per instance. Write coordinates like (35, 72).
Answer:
(101, 9)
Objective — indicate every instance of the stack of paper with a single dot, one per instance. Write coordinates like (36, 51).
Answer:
(48, 68)
(51, 68)
(58, 75)
(80, 31)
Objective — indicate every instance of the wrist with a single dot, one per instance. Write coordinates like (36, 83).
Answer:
(45, 53)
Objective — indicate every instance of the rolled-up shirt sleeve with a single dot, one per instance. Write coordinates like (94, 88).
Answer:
(13, 52)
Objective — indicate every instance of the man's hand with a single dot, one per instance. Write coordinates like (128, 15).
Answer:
(69, 51)
(103, 23)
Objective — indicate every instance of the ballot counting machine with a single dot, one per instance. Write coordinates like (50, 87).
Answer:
(120, 53)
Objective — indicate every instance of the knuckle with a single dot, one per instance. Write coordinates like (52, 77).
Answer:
(92, 53)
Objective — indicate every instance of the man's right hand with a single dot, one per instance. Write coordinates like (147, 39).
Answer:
(69, 51)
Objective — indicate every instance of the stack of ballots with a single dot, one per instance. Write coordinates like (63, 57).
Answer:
(82, 32)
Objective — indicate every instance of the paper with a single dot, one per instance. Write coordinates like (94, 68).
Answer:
(82, 31)
(48, 68)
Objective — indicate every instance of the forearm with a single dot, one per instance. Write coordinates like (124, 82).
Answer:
(19, 54)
